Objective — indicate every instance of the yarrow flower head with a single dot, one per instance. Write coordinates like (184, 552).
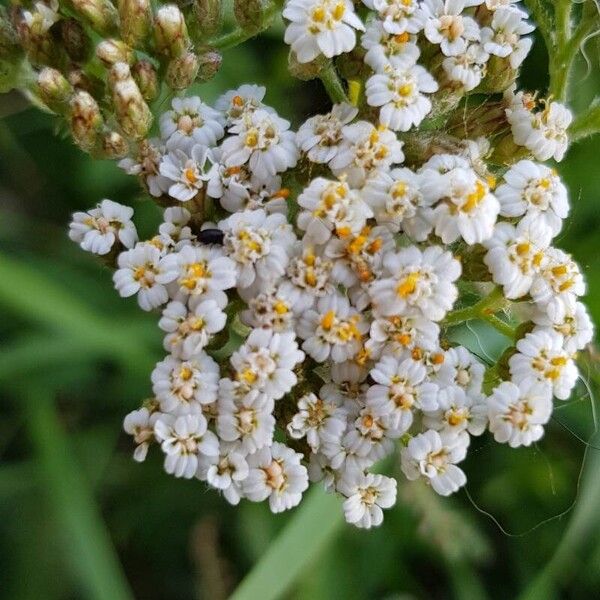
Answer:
(307, 281)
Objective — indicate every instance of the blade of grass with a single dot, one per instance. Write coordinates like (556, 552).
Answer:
(87, 542)
(314, 525)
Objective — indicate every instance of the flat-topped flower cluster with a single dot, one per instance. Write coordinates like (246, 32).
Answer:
(328, 293)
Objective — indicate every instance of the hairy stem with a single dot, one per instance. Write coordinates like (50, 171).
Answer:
(333, 84)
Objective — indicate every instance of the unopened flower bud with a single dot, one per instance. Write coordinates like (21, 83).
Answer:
(100, 14)
(210, 63)
(306, 71)
(54, 90)
(75, 40)
(146, 78)
(136, 21)
(113, 51)
(208, 16)
(114, 145)
(9, 42)
(81, 81)
(86, 120)
(182, 71)
(252, 15)
(33, 28)
(131, 110)
(170, 31)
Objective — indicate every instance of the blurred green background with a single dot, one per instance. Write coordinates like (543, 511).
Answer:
(80, 519)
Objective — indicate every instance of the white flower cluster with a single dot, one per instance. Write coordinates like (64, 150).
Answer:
(340, 294)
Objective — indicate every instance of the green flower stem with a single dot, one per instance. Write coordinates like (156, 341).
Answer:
(586, 124)
(483, 310)
(333, 84)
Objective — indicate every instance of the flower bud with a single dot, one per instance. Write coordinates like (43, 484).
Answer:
(54, 90)
(170, 31)
(305, 71)
(114, 145)
(75, 40)
(86, 120)
(100, 14)
(208, 16)
(81, 81)
(210, 63)
(113, 51)
(146, 78)
(136, 21)
(182, 71)
(252, 15)
(33, 28)
(131, 111)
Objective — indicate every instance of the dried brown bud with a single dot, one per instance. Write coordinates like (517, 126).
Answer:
(306, 71)
(136, 21)
(100, 14)
(113, 51)
(131, 111)
(54, 90)
(114, 145)
(146, 78)
(252, 15)
(86, 120)
(210, 63)
(182, 71)
(75, 40)
(170, 31)
(208, 16)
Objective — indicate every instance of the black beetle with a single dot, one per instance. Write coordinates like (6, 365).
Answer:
(211, 236)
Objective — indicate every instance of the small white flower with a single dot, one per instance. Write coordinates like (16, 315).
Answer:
(544, 133)
(319, 418)
(200, 270)
(142, 271)
(365, 150)
(400, 94)
(536, 191)
(541, 357)
(320, 136)
(191, 122)
(397, 202)
(433, 456)
(417, 281)
(394, 334)
(446, 26)
(140, 425)
(41, 19)
(466, 207)
(262, 140)
(190, 330)
(175, 231)
(99, 228)
(398, 17)
(182, 386)
(334, 329)
(503, 37)
(266, 361)
(260, 244)
(331, 207)
(460, 368)
(400, 389)
(366, 496)
(183, 439)
(567, 317)
(468, 67)
(271, 309)
(146, 165)
(384, 48)
(518, 413)
(559, 277)
(320, 27)
(227, 472)
(515, 255)
(235, 104)
(276, 474)
(247, 419)
(457, 412)
(187, 173)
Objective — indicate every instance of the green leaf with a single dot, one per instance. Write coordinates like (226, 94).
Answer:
(88, 545)
(313, 526)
